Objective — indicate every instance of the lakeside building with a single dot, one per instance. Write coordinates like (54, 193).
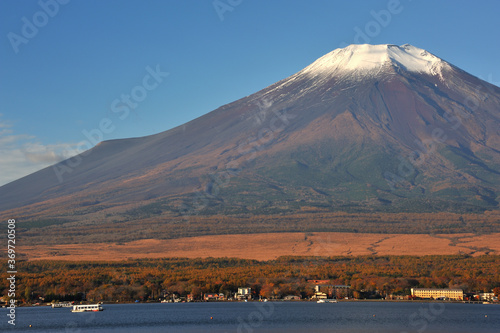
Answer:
(243, 293)
(319, 295)
(398, 297)
(455, 294)
(291, 298)
(332, 291)
(213, 297)
(487, 297)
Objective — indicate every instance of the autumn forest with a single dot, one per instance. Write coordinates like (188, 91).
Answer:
(152, 279)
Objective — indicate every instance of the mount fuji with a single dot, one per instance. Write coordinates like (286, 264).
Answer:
(365, 128)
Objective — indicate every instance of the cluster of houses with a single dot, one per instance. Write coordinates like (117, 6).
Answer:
(324, 290)
(242, 294)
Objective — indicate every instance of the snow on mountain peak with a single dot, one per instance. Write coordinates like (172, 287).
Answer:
(366, 58)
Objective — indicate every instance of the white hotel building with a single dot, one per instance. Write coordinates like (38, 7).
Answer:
(455, 294)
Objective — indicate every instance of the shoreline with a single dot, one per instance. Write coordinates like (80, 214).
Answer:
(340, 301)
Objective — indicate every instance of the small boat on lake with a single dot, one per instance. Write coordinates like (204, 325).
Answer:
(61, 305)
(87, 308)
(327, 301)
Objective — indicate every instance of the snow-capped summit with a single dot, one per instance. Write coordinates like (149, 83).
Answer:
(368, 58)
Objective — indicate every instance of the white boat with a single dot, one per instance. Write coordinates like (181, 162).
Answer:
(87, 308)
(61, 305)
(327, 301)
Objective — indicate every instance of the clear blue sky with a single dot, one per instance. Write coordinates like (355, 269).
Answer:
(63, 78)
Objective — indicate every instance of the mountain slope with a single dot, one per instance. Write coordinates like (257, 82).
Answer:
(365, 128)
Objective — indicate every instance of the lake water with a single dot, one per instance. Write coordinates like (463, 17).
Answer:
(386, 317)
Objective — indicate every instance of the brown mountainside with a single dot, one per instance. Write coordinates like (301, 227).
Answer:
(368, 128)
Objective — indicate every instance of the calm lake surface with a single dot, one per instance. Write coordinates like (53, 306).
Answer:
(386, 317)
